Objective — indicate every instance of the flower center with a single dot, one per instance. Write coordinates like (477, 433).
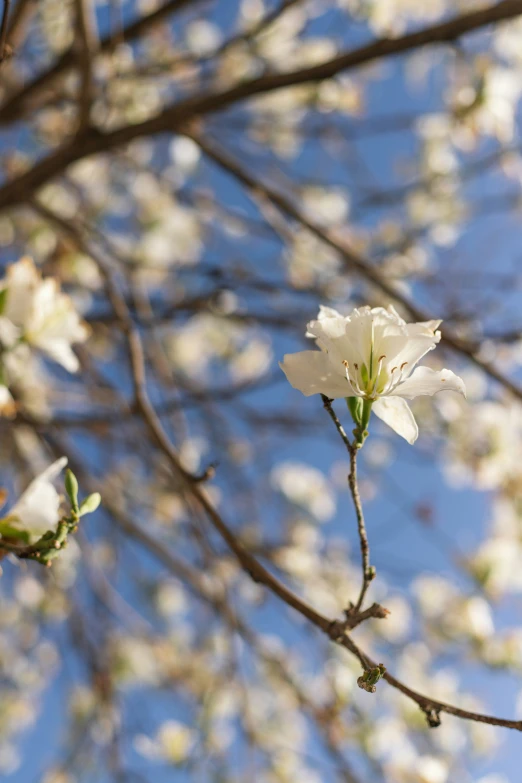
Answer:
(375, 381)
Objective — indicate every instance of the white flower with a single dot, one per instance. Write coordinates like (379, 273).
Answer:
(44, 316)
(371, 354)
(38, 509)
(306, 487)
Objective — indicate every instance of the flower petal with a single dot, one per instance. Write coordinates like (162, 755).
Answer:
(311, 372)
(424, 380)
(396, 413)
(37, 509)
(408, 349)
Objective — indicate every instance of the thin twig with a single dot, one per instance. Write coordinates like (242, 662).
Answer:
(340, 429)
(368, 572)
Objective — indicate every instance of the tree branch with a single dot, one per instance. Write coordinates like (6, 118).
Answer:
(14, 107)
(178, 114)
(86, 27)
(332, 628)
(5, 49)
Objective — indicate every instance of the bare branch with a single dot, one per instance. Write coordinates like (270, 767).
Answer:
(86, 26)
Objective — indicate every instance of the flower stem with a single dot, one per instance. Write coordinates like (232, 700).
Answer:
(361, 431)
(368, 571)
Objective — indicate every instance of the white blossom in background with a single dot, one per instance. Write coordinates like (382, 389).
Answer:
(307, 487)
(392, 17)
(485, 446)
(325, 206)
(488, 106)
(420, 769)
(172, 743)
(371, 354)
(309, 260)
(170, 233)
(214, 339)
(251, 360)
(451, 614)
(42, 315)
(38, 508)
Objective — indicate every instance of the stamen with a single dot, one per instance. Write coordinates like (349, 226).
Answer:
(377, 375)
(347, 372)
(391, 382)
(358, 389)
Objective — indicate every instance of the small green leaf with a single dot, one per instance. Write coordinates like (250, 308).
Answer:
(90, 504)
(71, 487)
(7, 530)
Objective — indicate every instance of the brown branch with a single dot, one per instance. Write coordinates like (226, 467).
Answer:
(86, 26)
(368, 571)
(333, 629)
(19, 18)
(5, 49)
(443, 32)
(327, 403)
(14, 107)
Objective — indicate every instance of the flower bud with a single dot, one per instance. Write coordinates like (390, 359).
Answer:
(71, 487)
(90, 504)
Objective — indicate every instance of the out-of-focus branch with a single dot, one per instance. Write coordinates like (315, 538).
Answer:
(19, 17)
(15, 106)
(177, 115)
(5, 49)
(86, 43)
